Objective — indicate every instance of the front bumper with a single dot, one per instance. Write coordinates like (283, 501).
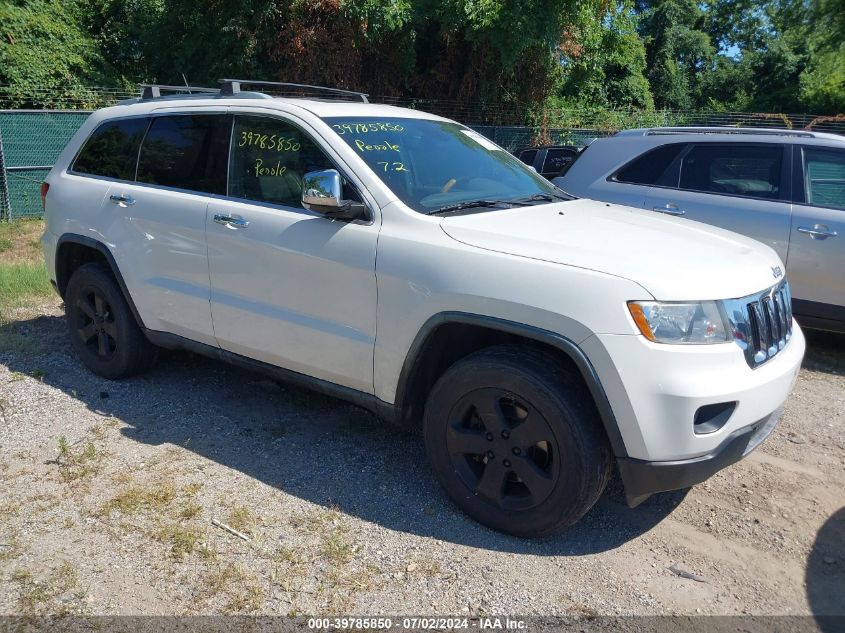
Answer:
(644, 478)
(661, 394)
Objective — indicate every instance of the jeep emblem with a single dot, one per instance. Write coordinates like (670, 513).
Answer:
(777, 272)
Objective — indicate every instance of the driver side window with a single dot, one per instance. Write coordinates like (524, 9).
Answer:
(268, 159)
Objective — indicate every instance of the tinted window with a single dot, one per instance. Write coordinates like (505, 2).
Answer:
(557, 160)
(528, 156)
(824, 178)
(269, 159)
(112, 149)
(187, 152)
(648, 168)
(739, 170)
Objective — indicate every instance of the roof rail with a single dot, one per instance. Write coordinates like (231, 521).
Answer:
(153, 91)
(229, 87)
(729, 130)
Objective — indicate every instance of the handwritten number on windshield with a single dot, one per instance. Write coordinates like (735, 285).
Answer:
(392, 166)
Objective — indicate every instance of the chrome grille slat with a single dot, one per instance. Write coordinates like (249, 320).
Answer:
(769, 319)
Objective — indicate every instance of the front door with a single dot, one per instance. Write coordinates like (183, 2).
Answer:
(289, 287)
(816, 262)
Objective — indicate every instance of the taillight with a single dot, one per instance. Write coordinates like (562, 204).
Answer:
(45, 187)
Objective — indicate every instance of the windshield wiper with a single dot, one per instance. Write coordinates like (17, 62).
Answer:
(472, 204)
(540, 197)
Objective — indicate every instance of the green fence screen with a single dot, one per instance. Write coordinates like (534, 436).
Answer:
(31, 142)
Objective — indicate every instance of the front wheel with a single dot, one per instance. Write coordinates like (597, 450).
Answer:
(516, 441)
(102, 329)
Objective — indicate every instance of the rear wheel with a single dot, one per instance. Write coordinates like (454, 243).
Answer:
(516, 441)
(102, 329)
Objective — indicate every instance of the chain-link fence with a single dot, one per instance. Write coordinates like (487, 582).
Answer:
(31, 140)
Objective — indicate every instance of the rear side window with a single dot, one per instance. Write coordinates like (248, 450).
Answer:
(186, 152)
(824, 178)
(737, 170)
(648, 168)
(112, 149)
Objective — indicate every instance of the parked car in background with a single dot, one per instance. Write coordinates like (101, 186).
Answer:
(785, 188)
(550, 161)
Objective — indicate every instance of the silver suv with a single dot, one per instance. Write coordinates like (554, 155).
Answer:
(784, 188)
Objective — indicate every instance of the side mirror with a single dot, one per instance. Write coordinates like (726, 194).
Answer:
(322, 192)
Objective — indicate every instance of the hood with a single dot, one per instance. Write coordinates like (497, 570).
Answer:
(674, 259)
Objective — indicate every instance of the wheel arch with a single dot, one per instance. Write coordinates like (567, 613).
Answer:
(447, 337)
(73, 250)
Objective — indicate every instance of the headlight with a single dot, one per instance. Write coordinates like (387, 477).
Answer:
(694, 322)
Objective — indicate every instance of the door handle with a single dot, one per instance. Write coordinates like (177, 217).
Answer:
(122, 201)
(818, 232)
(669, 209)
(231, 221)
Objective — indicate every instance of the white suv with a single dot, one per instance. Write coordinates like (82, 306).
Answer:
(406, 263)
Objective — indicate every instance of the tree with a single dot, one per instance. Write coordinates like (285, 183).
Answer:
(677, 49)
(602, 58)
(46, 55)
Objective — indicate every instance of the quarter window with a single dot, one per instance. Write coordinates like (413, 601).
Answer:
(824, 178)
(269, 157)
(648, 168)
(186, 152)
(112, 150)
(737, 170)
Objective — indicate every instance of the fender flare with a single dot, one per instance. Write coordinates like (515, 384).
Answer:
(62, 276)
(561, 343)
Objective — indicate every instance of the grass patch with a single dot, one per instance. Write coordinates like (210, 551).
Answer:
(240, 590)
(77, 464)
(21, 284)
(191, 510)
(136, 498)
(40, 596)
(335, 548)
(241, 519)
(23, 277)
(21, 239)
(182, 539)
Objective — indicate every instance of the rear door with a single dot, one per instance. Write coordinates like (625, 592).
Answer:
(742, 187)
(816, 262)
(159, 221)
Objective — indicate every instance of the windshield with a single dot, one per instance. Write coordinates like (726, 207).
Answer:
(434, 164)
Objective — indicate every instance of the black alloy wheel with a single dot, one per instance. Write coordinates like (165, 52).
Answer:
(95, 324)
(501, 447)
(102, 329)
(515, 439)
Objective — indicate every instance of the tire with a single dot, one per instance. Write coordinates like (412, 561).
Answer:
(516, 441)
(102, 328)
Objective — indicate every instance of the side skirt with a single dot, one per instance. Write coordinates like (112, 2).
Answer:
(383, 410)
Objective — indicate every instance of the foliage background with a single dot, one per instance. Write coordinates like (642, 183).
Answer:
(530, 60)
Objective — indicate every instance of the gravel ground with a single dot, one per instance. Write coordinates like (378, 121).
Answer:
(110, 488)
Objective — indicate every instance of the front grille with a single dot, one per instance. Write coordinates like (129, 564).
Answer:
(769, 318)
